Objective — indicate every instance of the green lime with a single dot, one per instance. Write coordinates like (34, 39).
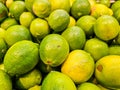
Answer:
(114, 50)
(115, 5)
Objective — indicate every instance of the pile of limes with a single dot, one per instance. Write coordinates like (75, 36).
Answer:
(59, 44)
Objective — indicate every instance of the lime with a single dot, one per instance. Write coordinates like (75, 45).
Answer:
(34, 77)
(44, 10)
(53, 50)
(36, 87)
(87, 22)
(61, 17)
(17, 8)
(29, 4)
(39, 28)
(3, 12)
(105, 2)
(16, 33)
(5, 81)
(114, 50)
(23, 55)
(115, 5)
(72, 22)
(80, 8)
(97, 48)
(88, 86)
(60, 4)
(2, 33)
(106, 27)
(117, 14)
(57, 81)
(8, 22)
(79, 66)
(75, 37)
(26, 19)
(2, 66)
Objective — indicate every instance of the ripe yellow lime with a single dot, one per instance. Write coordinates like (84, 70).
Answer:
(75, 36)
(29, 79)
(3, 49)
(16, 9)
(79, 66)
(2, 33)
(2, 66)
(23, 55)
(44, 8)
(26, 19)
(60, 4)
(5, 81)
(92, 2)
(72, 22)
(87, 22)
(36, 87)
(54, 49)
(8, 3)
(16, 33)
(8, 22)
(80, 8)
(39, 28)
(59, 20)
(71, 2)
(106, 27)
(107, 71)
(97, 48)
(88, 86)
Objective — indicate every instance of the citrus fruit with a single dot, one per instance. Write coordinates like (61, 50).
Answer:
(34, 77)
(117, 39)
(106, 27)
(114, 50)
(16, 33)
(86, 22)
(26, 18)
(115, 5)
(97, 48)
(36, 87)
(8, 3)
(43, 10)
(61, 17)
(60, 4)
(71, 2)
(79, 66)
(107, 71)
(16, 9)
(100, 9)
(2, 33)
(3, 12)
(105, 2)
(23, 55)
(92, 2)
(39, 28)
(80, 8)
(75, 36)
(53, 50)
(3, 49)
(5, 81)
(2, 66)
(57, 81)
(88, 86)
(102, 88)
(117, 14)
(72, 22)
(29, 4)
(8, 22)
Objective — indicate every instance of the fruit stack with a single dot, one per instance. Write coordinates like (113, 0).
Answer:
(59, 44)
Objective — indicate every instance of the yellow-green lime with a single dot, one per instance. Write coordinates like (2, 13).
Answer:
(44, 8)
(106, 27)
(88, 86)
(114, 50)
(29, 79)
(117, 14)
(39, 28)
(80, 8)
(79, 66)
(3, 49)
(107, 71)
(57, 81)
(29, 4)
(26, 18)
(58, 20)
(2, 66)
(5, 81)
(72, 22)
(36, 87)
(96, 47)
(3, 12)
(87, 22)
(117, 39)
(75, 37)
(16, 9)
(115, 5)
(23, 55)
(105, 2)
(16, 33)
(8, 22)
(60, 4)
(54, 49)
(71, 2)
(2, 33)
(8, 3)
